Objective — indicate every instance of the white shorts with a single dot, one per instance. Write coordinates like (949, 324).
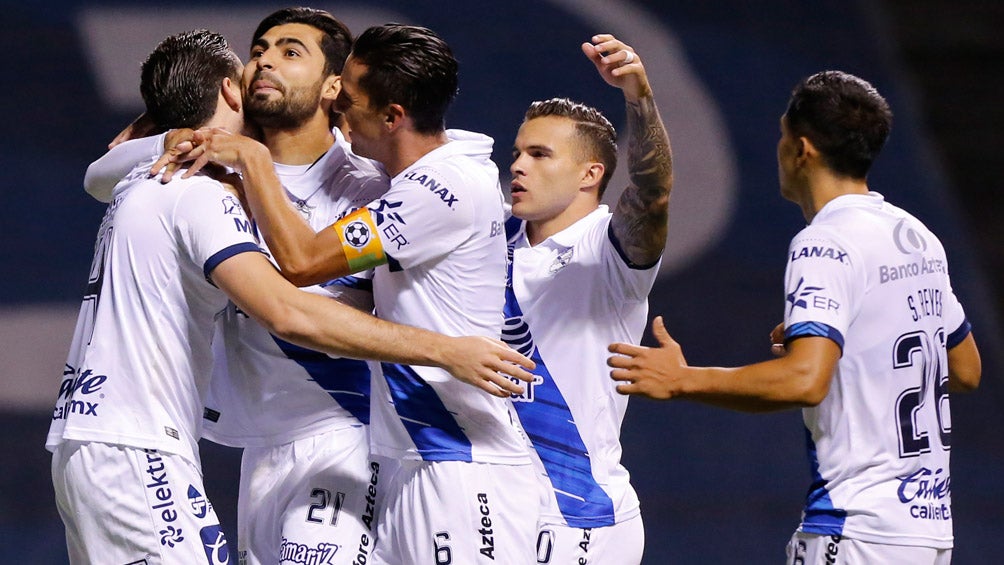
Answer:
(128, 505)
(442, 512)
(813, 549)
(622, 543)
(309, 501)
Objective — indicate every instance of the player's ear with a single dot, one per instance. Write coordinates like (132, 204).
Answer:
(231, 92)
(394, 116)
(331, 87)
(806, 150)
(592, 175)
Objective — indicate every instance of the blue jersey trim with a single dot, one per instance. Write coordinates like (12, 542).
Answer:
(623, 256)
(351, 281)
(226, 253)
(552, 430)
(958, 335)
(393, 264)
(512, 228)
(820, 516)
(433, 429)
(813, 329)
(347, 381)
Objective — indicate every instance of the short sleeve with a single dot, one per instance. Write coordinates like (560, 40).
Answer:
(632, 281)
(212, 226)
(821, 286)
(422, 218)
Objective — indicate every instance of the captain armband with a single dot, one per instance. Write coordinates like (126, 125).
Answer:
(360, 240)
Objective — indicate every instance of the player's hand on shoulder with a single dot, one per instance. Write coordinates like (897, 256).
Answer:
(619, 65)
(204, 146)
(653, 372)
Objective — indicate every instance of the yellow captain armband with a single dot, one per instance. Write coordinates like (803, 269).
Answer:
(360, 240)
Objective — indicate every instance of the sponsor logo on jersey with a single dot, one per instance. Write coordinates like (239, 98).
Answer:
(215, 544)
(927, 493)
(387, 221)
(73, 390)
(822, 252)
(527, 395)
(244, 225)
(811, 297)
(907, 239)
(199, 503)
(924, 266)
(434, 186)
(384, 212)
(292, 552)
(487, 533)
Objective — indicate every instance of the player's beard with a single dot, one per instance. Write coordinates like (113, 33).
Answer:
(293, 108)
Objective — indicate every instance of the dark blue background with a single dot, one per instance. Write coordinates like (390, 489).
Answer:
(716, 486)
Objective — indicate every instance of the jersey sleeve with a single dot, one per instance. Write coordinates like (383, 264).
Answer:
(821, 286)
(102, 175)
(632, 281)
(421, 218)
(957, 326)
(212, 226)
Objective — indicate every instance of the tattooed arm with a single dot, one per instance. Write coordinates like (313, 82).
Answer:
(640, 217)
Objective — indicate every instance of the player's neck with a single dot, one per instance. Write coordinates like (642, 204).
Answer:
(539, 230)
(300, 145)
(827, 186)
(407, 147)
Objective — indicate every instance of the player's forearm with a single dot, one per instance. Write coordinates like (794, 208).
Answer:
(763, 387)
(965, 367)
(323, 324)
(640, 218)
(290, 239)
(102, 175)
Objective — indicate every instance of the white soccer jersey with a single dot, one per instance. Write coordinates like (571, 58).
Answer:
(570, 296)
(441, 227)
(874, 279)
(267, 391)
(140, 360)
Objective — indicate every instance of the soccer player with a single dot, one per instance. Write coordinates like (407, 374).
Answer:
(874, 340)
(300, 415)
(579, 280)
(124, 434)
(462, 488)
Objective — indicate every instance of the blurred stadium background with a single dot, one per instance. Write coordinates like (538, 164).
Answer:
(716, 487)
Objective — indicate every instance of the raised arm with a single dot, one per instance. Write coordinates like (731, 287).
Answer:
(641, 215)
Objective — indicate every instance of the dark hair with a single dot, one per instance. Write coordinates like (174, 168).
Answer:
(844, 117)
(592, 127)
(410, 66)
(180, 80)
(336, 41)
